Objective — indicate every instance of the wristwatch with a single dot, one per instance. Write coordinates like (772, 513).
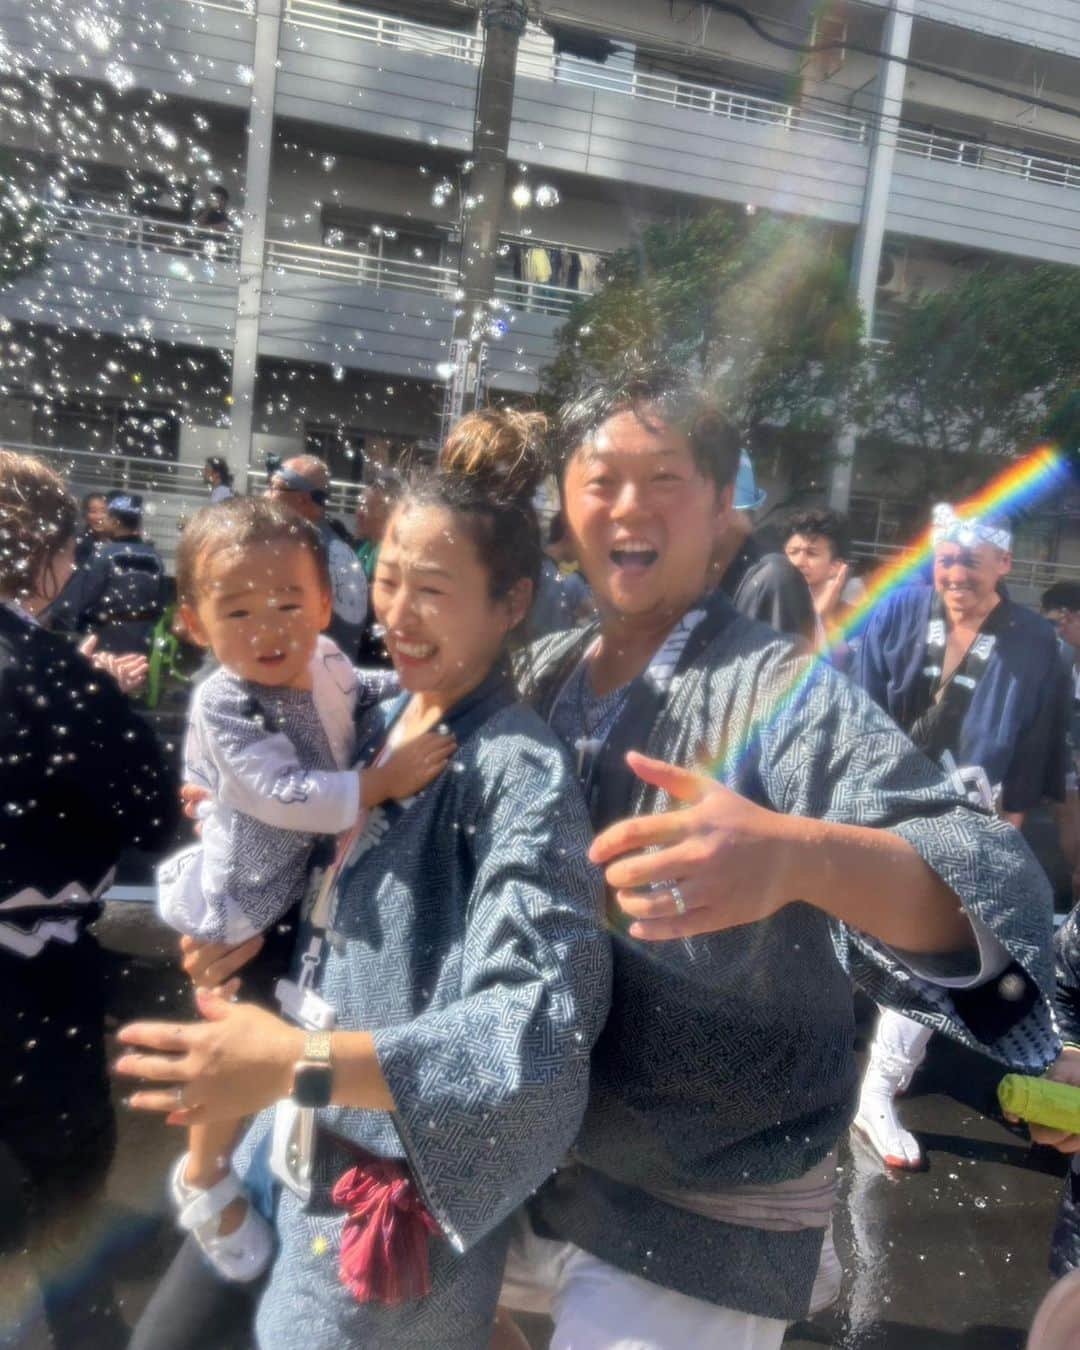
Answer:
(313, 1076)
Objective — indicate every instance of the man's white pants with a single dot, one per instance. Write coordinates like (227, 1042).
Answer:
(596, 1306)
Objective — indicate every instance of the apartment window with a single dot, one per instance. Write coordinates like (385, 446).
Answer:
(145, 431)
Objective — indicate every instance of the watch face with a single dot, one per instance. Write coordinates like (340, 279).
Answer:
(312, 1084)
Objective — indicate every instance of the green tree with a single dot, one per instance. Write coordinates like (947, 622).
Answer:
(973, 374)
(23, 236)
(760, 307)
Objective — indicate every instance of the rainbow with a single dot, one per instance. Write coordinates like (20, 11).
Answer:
(1017, 487)
(1014, 489)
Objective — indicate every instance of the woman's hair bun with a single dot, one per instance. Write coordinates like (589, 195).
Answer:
(503, 449)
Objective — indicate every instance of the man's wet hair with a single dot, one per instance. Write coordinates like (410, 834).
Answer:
(823, 522)
(1062, 595)
(239, 523)
(652, 391)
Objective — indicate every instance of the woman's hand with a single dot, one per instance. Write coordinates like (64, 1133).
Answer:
(212, 965)
(727, 856)
(237, 1061)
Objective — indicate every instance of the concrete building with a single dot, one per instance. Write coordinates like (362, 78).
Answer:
(339, 131)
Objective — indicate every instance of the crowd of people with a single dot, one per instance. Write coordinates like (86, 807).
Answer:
(533, 867)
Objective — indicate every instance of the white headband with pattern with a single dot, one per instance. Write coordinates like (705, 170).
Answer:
(949, 528)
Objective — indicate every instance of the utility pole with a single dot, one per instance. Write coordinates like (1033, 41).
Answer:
(866, 263)
(257, 160)
(503, 23)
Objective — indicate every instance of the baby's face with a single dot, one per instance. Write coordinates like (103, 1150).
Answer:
(260, 610)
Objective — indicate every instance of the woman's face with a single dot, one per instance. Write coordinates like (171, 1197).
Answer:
(432, 594)
(643, 518)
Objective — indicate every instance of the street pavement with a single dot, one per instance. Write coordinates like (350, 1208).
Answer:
(951, 1258)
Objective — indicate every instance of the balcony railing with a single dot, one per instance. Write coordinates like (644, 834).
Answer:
(713, 100)
(110, 470)
(361, 269)
(168, 486)
(328, 17)
(1032, 572)
(366, 269)
(534, 298)
(996, 158)
(106, 226)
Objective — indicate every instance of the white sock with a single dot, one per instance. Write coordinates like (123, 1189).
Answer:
(878, 1121)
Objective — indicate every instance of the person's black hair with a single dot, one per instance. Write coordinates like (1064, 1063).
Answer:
(665, 392)
(220, 188)
(88, 497)
(487, 474)
(557, 528)
(216, 464)
(1062, 595)
(820, 521)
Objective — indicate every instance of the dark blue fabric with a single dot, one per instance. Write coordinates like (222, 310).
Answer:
(1015, 724)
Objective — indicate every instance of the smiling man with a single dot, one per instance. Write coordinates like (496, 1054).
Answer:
(977, 683)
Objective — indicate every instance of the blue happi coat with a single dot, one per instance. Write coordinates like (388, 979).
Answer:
(468, 938)
(728, 1059)
(1015, 726)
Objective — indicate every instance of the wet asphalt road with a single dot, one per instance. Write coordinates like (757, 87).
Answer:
(952, 1258)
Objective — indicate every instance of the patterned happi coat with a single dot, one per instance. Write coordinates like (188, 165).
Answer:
(1065, 1247)
(728, 1059)
(468, 937)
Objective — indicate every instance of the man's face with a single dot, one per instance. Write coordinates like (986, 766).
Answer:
(812, 555)
(966, 578)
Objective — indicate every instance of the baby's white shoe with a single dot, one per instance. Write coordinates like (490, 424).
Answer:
(239, 1256)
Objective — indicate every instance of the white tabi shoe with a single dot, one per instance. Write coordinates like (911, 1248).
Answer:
(240, 1256)
(879, 1124)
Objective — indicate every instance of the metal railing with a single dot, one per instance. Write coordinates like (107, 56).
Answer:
(366, 269)
(328, 17)
(173, 484)
(362, 269)
(112, 470)
(714, 100)
(1032, 572)
(983, 155)
(100, 224)
(698, 96)
(534, 298)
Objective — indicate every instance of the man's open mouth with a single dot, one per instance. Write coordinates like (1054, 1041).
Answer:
(634, 555)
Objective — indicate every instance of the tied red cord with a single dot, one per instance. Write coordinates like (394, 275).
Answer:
(384, 1248)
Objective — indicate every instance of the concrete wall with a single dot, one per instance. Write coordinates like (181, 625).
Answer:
(128, 292)
(187, 50)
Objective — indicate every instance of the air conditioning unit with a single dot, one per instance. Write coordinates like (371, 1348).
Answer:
(893, 273)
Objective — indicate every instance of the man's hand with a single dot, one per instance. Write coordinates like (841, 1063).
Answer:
(1065, 1069)
(828, 602)
(728, 857)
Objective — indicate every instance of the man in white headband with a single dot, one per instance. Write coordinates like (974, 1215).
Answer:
(975, 681)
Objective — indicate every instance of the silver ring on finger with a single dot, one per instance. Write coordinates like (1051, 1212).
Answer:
(678, 897)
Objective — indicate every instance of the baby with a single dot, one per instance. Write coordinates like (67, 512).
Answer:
(271, 738)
